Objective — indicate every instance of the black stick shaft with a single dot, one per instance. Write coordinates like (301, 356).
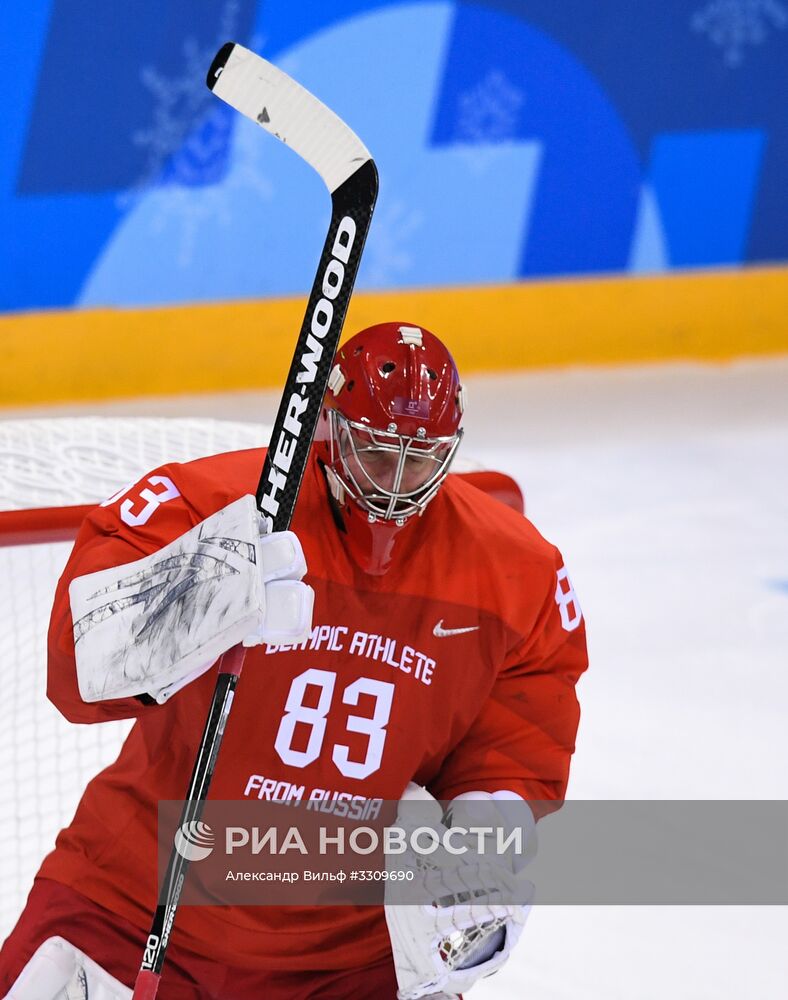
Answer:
(296, 420)
(283, 470)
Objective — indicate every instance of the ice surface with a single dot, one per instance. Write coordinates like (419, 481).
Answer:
(667, 490)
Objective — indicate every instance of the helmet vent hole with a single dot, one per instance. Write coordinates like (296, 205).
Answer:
(388, 368)
(350, 385)
(358, 351)
(432, 374)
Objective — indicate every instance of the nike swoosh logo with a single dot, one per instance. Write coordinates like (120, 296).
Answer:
(442, 632)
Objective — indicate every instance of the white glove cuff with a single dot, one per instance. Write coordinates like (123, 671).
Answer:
(281, 557)
(288, 614)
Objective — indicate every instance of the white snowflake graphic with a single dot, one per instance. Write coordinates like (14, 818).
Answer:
(179, 102)
(188, 209)
(186, 145)
(387, 257)
(734, 24)
(488, 114)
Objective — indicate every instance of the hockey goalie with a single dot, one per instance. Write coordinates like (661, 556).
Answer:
(470, 697)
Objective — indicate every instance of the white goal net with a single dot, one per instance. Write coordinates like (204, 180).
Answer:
(45, 762)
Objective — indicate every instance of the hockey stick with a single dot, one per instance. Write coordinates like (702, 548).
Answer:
(285, 109)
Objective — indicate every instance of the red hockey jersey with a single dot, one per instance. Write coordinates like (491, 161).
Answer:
(455, 669)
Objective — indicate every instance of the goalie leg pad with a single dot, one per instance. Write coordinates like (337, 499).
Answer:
(60, 971)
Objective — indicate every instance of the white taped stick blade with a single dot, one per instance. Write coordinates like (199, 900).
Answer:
(268, 96)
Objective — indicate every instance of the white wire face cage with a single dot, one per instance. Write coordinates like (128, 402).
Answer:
(390, 475)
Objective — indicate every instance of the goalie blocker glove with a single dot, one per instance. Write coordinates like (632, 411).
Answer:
(153, 625)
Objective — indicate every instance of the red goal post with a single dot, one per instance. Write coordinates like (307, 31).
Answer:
(53, 471)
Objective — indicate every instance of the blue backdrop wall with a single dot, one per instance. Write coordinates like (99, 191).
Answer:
(516, 139)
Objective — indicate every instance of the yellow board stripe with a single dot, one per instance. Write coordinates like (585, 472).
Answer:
(102, 353)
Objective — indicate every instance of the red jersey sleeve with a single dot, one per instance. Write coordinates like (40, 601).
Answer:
(523, 738)
(127, 527)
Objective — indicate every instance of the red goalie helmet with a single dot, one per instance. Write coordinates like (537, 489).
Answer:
(390, 422)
